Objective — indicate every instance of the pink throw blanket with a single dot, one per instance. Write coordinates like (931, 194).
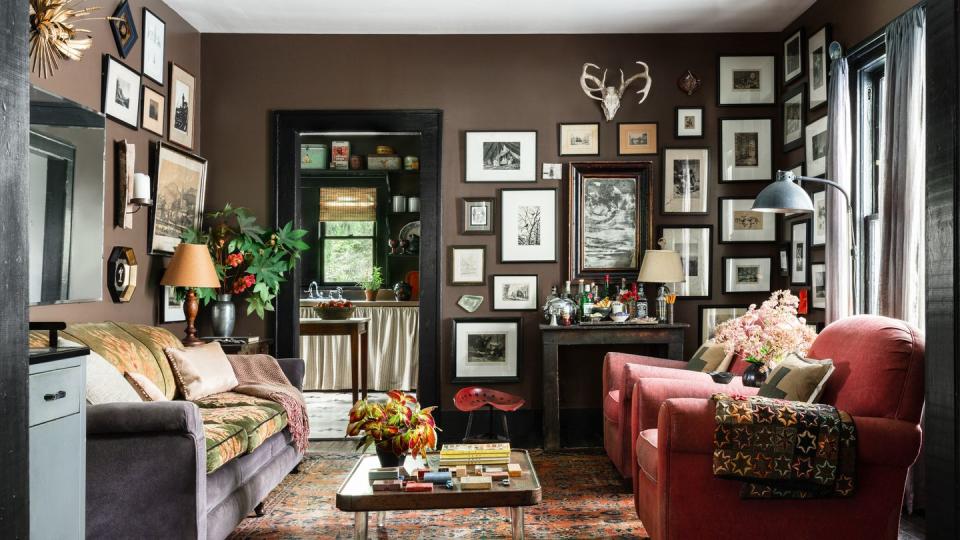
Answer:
(260, 376)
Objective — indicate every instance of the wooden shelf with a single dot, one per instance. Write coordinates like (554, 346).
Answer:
(342, 173)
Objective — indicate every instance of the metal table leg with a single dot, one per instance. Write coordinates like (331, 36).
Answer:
(516, 522)
(381, 518)
(360, 526)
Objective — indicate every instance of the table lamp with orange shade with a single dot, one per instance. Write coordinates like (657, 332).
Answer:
(191, 267)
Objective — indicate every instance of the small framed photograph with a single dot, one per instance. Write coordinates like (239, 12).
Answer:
(711, 316)
(171, 310)
(182, 96)
(468, 265)
(686, 180)
(477, 215)
(528, 225)
(514, 292)
(740, 224)
(746, 80)
(637, 138)
(153, 111)
(124, 29)
(688, 123)
(693, 243)
(816, 137)
(793, 118)
(800, 249)
(487, 349)
(818, 273)
(154, 43)
(552, 171)
(579, 139)
(818, 62)
(121, 92)
(746, 149)
(746, 274)
(819, 219)
(784, 262)
(501, 156)
(793, 57)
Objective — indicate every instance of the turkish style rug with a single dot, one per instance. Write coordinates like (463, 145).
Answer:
(583, 497)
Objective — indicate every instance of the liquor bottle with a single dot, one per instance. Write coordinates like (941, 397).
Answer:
(590, 300)
(642, 308)
(581, 300)
(606, 287)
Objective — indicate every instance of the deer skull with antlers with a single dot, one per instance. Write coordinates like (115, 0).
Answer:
(609, 96)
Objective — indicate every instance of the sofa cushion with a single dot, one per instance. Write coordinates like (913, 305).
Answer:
(104, 384)
(156, 339)
(201, 371)
(224, 442)
(797, 379)
(710, 357)
(258, 421)
(144, 387)
(647, 452)
(611, 406)
(233, 399)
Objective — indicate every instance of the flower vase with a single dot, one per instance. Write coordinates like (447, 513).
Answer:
(388, 458)
(754, 376)
(223, 315)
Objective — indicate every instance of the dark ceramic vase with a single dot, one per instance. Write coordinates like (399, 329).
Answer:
(388, 458)
(752, 376)
(403, 290)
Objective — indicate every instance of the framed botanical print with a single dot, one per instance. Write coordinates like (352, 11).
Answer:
(740, 224)
(514, 292)
(818, 62)
(121, 92)
(501, 156)
(818, 273)
(746, 80)
(746, 149)
(793, 118)
(636, 138)
(477, 215)
(154, 43)
(487, 349)
(579, 139)
(468, 265)
(610, 219)
(153, 111)
(171, 309)
(124, 28)
(819, 219)
(182, 98)
(712, 316)
(180, 181)
(816, 138)
(686, 180)
(528, 225)
(693, 243)
(746, 274)
(688, 123)
(793, 57)
(800, 250)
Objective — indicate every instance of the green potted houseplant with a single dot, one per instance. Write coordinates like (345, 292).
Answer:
(396, 427)
(372, 284)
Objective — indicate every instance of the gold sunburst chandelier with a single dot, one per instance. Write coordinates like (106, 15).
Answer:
(53, 35)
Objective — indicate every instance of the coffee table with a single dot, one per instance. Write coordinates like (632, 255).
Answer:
(356, 495)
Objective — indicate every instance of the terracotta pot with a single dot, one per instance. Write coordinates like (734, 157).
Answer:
(370, 295)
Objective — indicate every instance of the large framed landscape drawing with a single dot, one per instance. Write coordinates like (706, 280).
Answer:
(486, 350)
(611, 213)
(179, 185)
(501, 156)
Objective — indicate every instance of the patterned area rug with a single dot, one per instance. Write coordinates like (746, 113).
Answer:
(328, 412)
(583, 497)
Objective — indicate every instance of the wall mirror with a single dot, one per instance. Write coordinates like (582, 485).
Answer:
(65, 200)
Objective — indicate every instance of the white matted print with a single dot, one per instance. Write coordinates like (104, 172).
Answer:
(738, 223)
(468, 265)
(745, 146)
(712, 316)
(817, 66)
(693, 245)
(689, 122)
(818, 274)
(686, 180)
(746, 274)
(579, 139)
(501, 156)
(514, 292)
(819, 219)
(121, 92)
(171, 310)
(793, 56)
(528, 225)
(486, 350)
(747, 80)
(800, 252)
(552, 171)
(154, 42)
(817, 147)
(181, 104)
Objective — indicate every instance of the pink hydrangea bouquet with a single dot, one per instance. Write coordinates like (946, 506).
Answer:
(765, 335)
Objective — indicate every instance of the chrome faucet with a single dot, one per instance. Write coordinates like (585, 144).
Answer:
(313, 291)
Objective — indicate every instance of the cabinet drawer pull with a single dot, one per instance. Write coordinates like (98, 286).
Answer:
(53, 397)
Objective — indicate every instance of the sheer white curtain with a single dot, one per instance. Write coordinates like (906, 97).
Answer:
(840, 283)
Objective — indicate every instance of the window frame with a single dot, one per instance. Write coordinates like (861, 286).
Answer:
(322, 237)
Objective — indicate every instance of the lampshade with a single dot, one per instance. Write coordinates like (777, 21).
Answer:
(783, 196)
(191, 266)
(661, 266)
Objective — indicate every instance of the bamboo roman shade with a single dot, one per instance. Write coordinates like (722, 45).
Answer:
(348, 204)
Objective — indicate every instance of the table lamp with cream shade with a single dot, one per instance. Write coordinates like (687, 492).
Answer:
(661, 266)
(191, 267)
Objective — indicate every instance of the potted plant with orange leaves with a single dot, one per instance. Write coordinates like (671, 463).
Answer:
(396, 428)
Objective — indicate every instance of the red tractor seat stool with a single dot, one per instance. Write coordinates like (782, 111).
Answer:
(471, 398)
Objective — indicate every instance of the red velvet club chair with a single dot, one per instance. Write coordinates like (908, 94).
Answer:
(878, 380)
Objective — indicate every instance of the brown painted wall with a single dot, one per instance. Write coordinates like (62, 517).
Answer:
(81, 82)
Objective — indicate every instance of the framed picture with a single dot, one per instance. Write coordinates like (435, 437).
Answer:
(686, 180)
(121, 92)
(579, 139)
(784, 262)
(746, 80)
(688, 123)
(179, 184)
(487, 350)
(817, 147)
(740, 224)
(468, 265)
(610, 219)
(746, 149)
(552, 171)
(818, 66)
(711, 316)
(819, 219)
(514, 292)
(818, 273)
(528, 225)
(123, 27)
(182, 96)
(800, 249)
(798, 171)
(153, 108)
(693, 243)
(746, 274)
(637, 138)
(793, 118)
(501, 156)
(793, 57)
(171, 310)
(154, 43)
(477, 215)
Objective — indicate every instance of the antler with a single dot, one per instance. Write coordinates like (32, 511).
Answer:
(587, 78)
(644, 74)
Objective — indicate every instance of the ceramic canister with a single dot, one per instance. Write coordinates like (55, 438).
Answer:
(399, 203)
(413, 204)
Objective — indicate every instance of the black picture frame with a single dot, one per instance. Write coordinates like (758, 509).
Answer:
(467, 178)
(536, 291)
(165, 314)
(450, 258)
(561, 125)
(708, 259)
(720, 152)
(462, 215)
(155, 149)
(773, 82)
(143, 47)
(109, 63)
(723, 275)
(703, 307)
(676, 122)
(827, 30)
(458, 377)
(123, 18)
(806, 251)
(556, 237)
(800, 37)
(813, 286)
(788, 94)
(704, 182)
(721, 230)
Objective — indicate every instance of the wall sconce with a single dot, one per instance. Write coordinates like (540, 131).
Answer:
(141, 193)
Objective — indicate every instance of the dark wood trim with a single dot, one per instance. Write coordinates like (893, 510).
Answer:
(14, 132)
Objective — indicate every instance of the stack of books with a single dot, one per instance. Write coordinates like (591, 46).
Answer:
(452, 455)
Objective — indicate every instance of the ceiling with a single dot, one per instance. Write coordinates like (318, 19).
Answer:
(488, 16)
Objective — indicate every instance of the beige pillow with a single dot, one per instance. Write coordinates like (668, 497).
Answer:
(147, 389)
(797, 379)
(201, 371)
(104, 382)
(710, 357)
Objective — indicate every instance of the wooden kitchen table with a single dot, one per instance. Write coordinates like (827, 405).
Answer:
(359, 347)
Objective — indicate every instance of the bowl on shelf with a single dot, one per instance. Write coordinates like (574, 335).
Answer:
(335, 311)
(619, 317)
(604, 312)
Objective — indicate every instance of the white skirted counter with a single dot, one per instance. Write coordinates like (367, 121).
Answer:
(394, 335)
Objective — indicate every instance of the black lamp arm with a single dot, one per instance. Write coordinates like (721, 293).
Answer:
(839, 188)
